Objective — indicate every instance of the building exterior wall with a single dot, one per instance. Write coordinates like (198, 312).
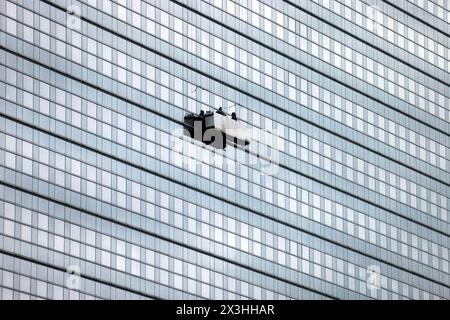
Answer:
(101, 197)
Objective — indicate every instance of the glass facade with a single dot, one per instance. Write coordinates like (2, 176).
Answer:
(100, 197)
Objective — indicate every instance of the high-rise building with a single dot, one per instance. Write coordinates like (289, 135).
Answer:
(103, 196)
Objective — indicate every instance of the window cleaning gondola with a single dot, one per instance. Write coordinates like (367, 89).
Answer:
(216, 129)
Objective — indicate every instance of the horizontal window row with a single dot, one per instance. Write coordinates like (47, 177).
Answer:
(22, 279)
(438, 8)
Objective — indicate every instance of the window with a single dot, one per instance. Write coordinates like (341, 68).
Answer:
(121, 13)
(105, 258)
